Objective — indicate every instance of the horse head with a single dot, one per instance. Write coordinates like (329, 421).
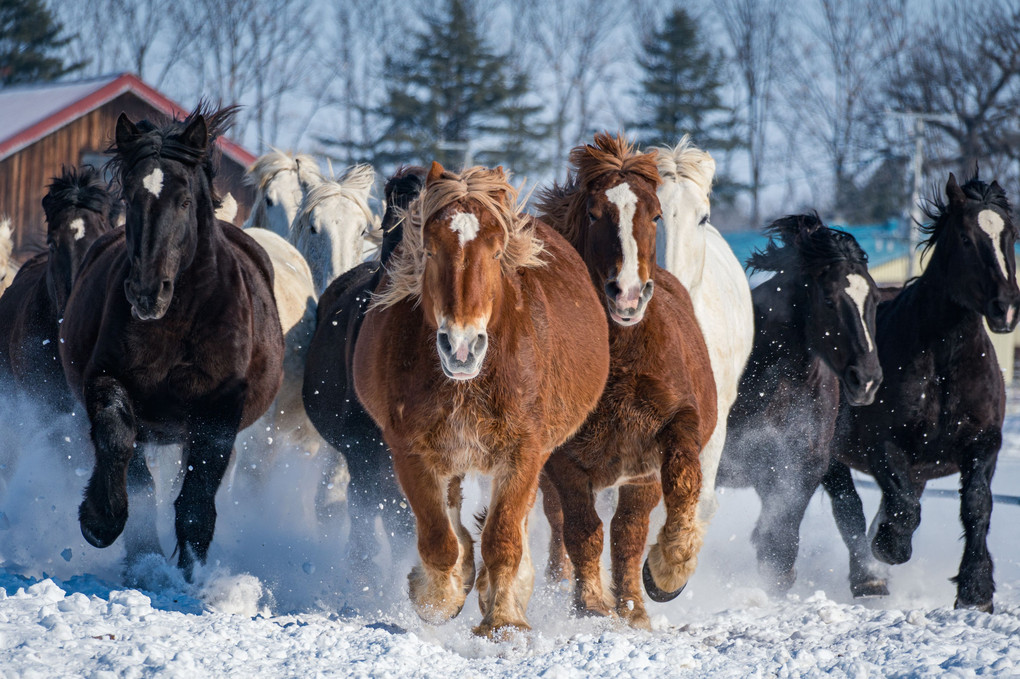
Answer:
(332, 223)
(465, 237)
(77, 207)
(166, 176)
(687, 174)
(609, 211)
(281, 181)
(836, 295)
(976, 238)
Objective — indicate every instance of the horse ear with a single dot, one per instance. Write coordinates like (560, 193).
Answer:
(126, 131)
(196, 135)
(995, 188)
(501, 172)
(954, 192)
(435, 172)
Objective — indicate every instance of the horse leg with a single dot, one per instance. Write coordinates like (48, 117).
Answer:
(438, 585)
(865, 581)
(974, 583)
(558, 567)
(104, 509)
(711, 455)
(628, 533)
(212, 429)
(140, 535)
(776, 536)
(899, 514)
(672, 559)
(582, 533)
(507, 571)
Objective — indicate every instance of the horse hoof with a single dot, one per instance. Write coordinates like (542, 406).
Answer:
(654, 593)
(889, 547)
(868, 589)
(100, 531)
(986, 607)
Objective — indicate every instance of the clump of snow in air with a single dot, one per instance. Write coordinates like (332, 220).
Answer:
(277, 597)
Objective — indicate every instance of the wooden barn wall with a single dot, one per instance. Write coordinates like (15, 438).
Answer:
(25, 174)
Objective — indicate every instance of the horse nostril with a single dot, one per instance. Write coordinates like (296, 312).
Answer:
(480, 344)
(443, 340)
(853, 377)
(647, 290)
(164, 287)
(613, 290)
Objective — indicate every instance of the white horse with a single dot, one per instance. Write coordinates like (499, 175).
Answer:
(281, 181)
(335, 229)
(8, 269)
(698, 255)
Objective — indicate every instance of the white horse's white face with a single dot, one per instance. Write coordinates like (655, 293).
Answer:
(282, 198)
(685, 214)
(330, 234)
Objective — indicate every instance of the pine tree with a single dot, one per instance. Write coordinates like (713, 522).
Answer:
(452, 92)
(30, 40)
(681, 90)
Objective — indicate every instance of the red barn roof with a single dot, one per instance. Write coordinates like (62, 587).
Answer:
(31, 112)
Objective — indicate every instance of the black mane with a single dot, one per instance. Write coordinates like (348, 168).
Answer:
(82, 188)
(162, 139)
(935, 209)
(804, 243)
(405, 183)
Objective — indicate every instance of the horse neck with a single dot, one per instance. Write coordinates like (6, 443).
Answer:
(929, 302)
(780, 304)
(685, 243)
(391, 239)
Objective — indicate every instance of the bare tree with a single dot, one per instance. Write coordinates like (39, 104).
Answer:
(569, 40)
(843, 55)
(754, 28)
(964, 61)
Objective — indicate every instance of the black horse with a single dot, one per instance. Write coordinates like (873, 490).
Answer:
(329, 394)
(77, 207)
(941, 406)
(171, 333)
(814, 333)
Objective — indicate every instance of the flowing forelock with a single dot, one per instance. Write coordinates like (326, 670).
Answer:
(803, 244)
(494, 194)
(565, 206)
(686, 161)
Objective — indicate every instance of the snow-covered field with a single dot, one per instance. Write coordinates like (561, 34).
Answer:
(276, 599)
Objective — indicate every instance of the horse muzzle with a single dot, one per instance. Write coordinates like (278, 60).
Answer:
(461, 350)
(148, 302)
(860, 385)
(1001, 315)
(627, 307)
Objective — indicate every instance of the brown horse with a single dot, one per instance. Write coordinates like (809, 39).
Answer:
(77, 207)
(171, 333)
(659, 406)
(523, 356)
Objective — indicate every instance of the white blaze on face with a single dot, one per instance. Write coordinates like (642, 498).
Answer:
(623, 197)
(991, 223)
(857, 289)
(154, 182)
(77, 227)
(465, 225)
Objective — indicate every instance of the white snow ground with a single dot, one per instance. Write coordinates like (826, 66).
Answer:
(276, 600)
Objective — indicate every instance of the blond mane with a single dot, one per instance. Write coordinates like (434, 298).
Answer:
(686, 161)
(565, 206)
(354, 185)
(491, 190)
(270, 164)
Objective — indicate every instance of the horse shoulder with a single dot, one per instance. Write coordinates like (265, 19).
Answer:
(243, 244)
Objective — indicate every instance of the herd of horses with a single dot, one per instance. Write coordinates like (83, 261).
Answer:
(461, 333)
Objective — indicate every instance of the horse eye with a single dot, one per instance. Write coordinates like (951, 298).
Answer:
(830, 303)
(269, 202)
(704, 220)
(186, 203)
(498, 254)
(965, 239)
(592, 217)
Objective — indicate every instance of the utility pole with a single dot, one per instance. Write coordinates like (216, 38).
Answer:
(914, 234)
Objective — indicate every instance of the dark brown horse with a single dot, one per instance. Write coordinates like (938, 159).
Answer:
(485, 350)
(171, 334)
(813, 349)
(77, 207)
(659, 406)
(329, 396)
(941, 407)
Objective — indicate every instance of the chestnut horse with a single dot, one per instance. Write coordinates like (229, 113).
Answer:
(522, 359)
(171, 333)
(659, 406)
(77, 207)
